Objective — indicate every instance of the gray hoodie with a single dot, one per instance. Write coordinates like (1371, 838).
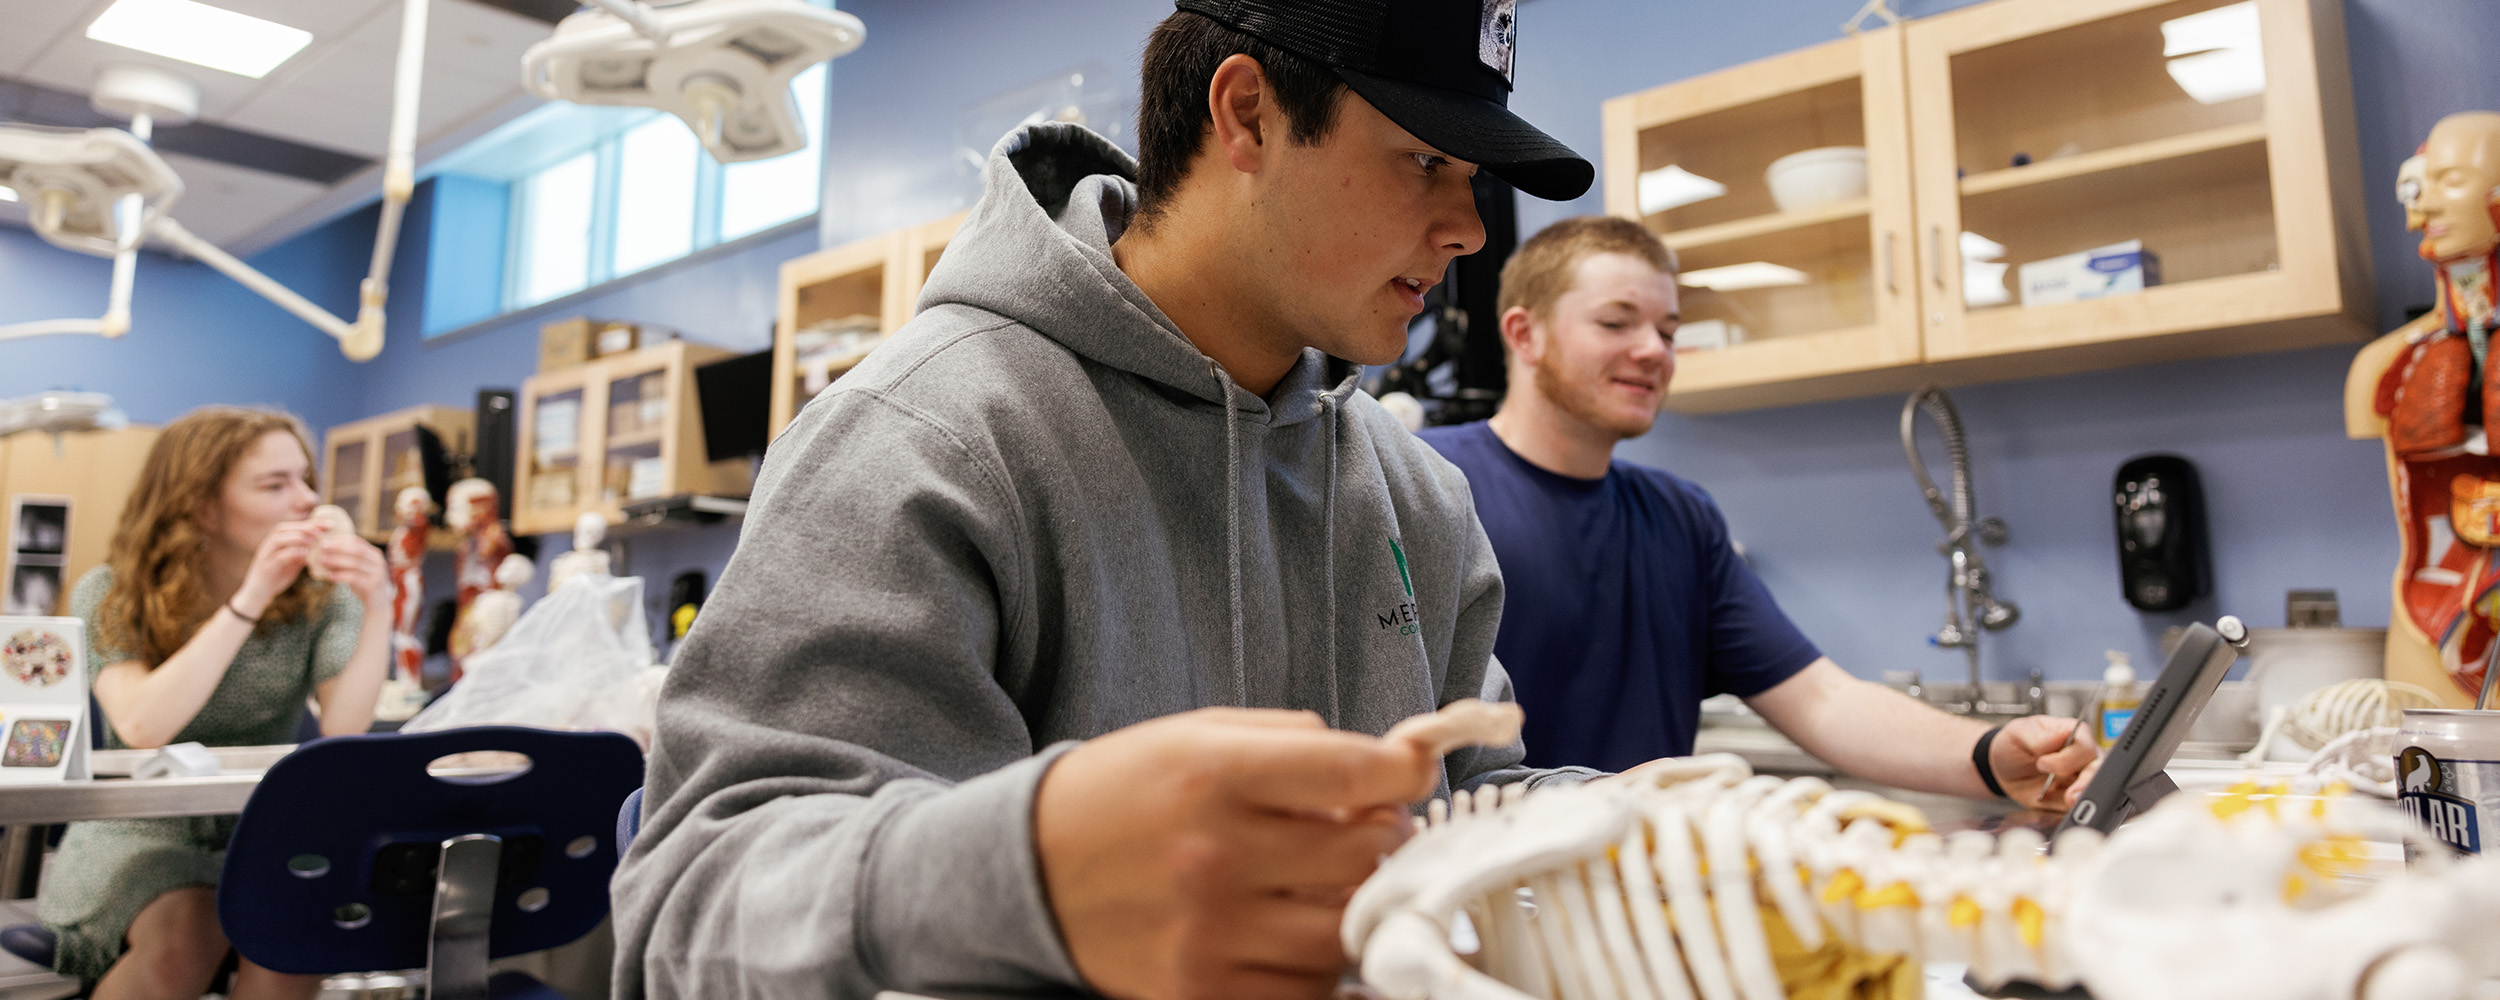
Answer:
(1037, 515)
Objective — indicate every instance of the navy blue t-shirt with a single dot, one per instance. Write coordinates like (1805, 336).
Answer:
(1623, 604)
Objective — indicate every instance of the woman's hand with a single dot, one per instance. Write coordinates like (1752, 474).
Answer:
(275, 565)
(357, 565)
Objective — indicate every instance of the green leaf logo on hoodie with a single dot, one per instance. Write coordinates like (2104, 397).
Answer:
(1401, 619)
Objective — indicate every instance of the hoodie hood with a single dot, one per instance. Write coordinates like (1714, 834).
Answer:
(1037, 249)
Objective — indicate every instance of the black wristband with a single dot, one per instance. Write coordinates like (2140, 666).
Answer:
(237, 612)
(1979, 762)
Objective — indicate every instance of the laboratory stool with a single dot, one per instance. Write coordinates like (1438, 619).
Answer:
(352, 856)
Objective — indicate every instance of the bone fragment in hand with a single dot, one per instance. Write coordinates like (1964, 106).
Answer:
(1462, 723)
(332, 520)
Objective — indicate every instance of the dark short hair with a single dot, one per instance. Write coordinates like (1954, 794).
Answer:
(1172, 117)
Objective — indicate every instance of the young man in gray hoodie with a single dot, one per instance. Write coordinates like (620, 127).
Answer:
(1057, 643)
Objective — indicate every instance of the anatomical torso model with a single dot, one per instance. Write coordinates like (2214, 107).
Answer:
(2432, 392)
(472, 511)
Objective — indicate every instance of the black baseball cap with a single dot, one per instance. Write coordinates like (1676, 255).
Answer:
(1440, 69)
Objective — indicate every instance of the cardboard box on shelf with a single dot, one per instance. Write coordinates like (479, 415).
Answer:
(2116, 269)
(564, 344)
(613, 337)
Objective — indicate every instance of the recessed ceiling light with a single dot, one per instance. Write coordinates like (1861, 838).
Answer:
(197, 33)
(1738, 277)
(1672, 187)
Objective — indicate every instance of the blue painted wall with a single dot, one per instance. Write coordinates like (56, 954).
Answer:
(1819, 493)
(196, 337)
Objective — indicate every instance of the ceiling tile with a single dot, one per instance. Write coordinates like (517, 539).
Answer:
(340, 99)
(326, 19)
(223, 203)
(27, 28)
(72, 64)
(467, 39)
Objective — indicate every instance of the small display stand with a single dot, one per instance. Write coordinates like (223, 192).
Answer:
(43, 701)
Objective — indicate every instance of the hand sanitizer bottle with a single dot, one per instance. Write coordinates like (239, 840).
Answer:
(2119, 698)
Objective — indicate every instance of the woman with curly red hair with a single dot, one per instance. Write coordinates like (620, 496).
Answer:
(204, 626)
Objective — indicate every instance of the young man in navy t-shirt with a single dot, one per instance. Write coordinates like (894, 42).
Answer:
(1624, 602)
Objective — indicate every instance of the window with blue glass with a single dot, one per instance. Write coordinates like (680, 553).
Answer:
(576, 196)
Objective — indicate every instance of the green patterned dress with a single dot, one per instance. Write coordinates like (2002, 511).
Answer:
(106, 871)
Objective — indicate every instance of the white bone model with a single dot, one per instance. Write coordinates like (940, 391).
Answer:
(1693, 878)
(722, 66)
(104, 192)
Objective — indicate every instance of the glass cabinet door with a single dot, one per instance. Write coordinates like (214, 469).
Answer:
(555, 454)
(403, 466)
(1783, 187)
(348, 457)
(2093, 171)
(637, 423)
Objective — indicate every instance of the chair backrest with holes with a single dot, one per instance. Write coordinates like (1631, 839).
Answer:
(332, 863)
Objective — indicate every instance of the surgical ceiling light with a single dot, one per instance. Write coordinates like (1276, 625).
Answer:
(722, 66)
(199, 34)
(103, 192)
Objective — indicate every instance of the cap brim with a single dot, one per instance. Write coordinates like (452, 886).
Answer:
(1481, 132)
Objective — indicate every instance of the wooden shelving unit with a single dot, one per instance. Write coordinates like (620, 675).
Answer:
(2250, 201)
(637, 416)
(875, 280)
(367, 462)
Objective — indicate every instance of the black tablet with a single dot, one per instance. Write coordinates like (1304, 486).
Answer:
(2131, 777)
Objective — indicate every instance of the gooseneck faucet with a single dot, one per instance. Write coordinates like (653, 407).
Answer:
(1971, 606)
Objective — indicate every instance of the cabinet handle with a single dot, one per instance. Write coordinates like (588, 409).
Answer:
(1935, 254)
(1891, 285)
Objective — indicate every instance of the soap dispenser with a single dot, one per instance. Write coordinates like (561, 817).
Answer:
(2162, 559)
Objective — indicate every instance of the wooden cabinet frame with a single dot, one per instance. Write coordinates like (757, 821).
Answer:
(678, 434)
(881, 276)
(376, 487)
(2317, 291)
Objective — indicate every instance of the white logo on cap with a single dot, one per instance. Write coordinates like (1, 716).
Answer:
(1497, 36)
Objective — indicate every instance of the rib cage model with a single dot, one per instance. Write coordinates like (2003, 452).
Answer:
(1694, 879)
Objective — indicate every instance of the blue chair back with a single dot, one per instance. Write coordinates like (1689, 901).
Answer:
(628, 822)
(333, 866)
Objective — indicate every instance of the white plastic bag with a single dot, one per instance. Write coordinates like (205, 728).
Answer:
(579, 659)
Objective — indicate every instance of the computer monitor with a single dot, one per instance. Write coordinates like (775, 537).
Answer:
(2131, 778)
(734, 396)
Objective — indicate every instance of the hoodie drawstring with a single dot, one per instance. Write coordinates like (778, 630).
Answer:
(1232, 530)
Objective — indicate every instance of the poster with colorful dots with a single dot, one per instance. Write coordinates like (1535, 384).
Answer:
(43, 700)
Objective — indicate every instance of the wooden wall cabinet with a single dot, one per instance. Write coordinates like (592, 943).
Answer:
(2217, 133)
(838, 304)
(367, 462)
(622, 428)
(95, 471)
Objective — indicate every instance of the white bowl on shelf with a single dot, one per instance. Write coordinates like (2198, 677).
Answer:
(1817, 177)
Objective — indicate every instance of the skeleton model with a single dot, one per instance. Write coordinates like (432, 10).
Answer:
(587, 558)
(1693, 878)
